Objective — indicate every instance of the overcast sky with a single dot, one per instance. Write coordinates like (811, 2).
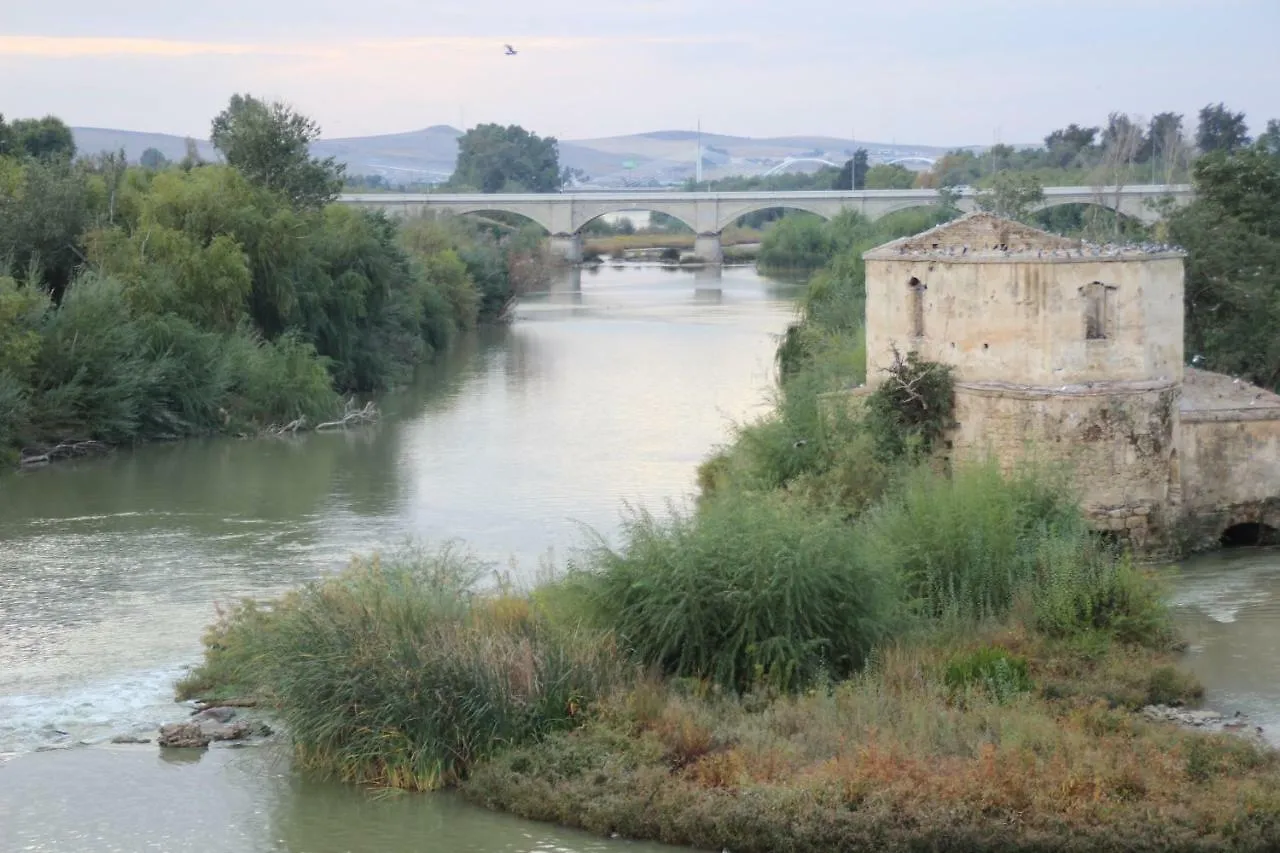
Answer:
(933, 72)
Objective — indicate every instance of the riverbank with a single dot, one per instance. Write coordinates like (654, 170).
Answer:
(844, 644)
(999, 738)
(899, 760)
(206, 304)
(751, 678)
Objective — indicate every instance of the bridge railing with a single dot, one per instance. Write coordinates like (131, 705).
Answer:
(640, 196)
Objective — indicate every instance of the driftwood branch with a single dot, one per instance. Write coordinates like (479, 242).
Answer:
(64, 450)
(353, 417)
(291, 427)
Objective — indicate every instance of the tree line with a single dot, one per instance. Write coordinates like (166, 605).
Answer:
(173, 299)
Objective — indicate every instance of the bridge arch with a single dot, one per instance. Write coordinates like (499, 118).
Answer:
(791, 161)
(1127, 207)
(637, 208)
(1077, 217)
(888, 209)
(900, 160)
(730, 214)
(496, 206)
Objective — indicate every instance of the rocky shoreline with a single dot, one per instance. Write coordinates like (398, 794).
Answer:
(1206, 720)
(232, 723)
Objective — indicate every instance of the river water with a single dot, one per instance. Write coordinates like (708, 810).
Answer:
(608, 388)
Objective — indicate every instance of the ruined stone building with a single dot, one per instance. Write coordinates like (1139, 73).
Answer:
(1070, 352)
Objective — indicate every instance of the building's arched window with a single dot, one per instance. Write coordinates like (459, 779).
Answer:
(1097, 311)
(915, 296)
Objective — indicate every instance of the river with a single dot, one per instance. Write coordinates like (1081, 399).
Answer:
(608, 388)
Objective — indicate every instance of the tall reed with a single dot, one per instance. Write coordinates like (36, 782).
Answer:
(395, 673)
(750, 589)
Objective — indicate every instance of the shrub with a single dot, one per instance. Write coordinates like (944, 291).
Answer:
(749, 590)
(968, 545)
(1001, 674)
(1168, 685)
(394, 673)
(911, 409)
(797, 242)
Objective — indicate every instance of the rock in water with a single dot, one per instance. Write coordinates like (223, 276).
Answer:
(239, 730)
(130, 739)
(183, 735)
(219, 715)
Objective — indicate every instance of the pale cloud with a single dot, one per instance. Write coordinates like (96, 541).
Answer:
(62, 47)
(924, 71)
(55, 47)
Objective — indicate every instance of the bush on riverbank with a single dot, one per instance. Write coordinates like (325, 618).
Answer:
(898, 759)
(396, 673)
(161, 303)
(745, 592)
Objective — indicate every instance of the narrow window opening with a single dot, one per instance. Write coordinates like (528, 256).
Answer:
(1096, 311)
(917, 307)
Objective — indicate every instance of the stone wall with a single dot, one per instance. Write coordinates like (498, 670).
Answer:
(1116, 441)
(1230, 468)
(1023, 319)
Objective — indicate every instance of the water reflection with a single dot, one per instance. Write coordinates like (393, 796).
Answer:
(244, 800)
(610, 385)
(1228, 607)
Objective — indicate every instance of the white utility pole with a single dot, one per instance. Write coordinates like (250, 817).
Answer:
(697, 167)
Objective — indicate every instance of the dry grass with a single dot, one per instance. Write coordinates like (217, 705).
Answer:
(895, 760)
(606, 246)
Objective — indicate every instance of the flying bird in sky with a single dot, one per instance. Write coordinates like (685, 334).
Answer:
(511, 51)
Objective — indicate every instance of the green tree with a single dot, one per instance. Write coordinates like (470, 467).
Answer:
(45, 138)
(860, 169)
(496, 159)
(6, 138)
(1270, 138)
(1068, 146)
(1125, 135)
(1232, 236)
(1163, 132)
(44, 209)
(844, 180)
(889, 176)
(1221, 130)
(270, 144)
(153, 158)
(1012, 195)
(572, 175)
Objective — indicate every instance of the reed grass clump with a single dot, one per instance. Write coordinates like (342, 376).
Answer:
(395, 672)
(971, 545)
(746, 591)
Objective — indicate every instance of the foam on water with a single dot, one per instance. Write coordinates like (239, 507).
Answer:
(131, 703)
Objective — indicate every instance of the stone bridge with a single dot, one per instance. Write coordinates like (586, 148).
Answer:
(563, 215)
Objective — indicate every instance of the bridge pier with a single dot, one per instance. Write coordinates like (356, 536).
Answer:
(567, 247)
(707, 247)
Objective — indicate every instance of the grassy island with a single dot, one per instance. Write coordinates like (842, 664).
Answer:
(844, 645)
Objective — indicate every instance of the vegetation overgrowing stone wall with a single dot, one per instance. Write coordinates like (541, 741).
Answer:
(1117, 447)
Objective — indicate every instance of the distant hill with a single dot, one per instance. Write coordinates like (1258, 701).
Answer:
(94, 140)
(652, 158)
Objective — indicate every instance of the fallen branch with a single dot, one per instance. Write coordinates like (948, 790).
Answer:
(368, 414)
(292, 427)
(64, 450)
(237, 702)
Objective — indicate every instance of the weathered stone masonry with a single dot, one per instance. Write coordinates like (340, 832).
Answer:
(1072, 353)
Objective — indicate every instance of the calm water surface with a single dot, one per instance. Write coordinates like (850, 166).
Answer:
(609, 388)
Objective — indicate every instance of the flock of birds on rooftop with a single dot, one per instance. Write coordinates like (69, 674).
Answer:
(1083, 250)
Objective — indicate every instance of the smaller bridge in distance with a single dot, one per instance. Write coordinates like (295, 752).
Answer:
(563, 215)
(791, 161)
